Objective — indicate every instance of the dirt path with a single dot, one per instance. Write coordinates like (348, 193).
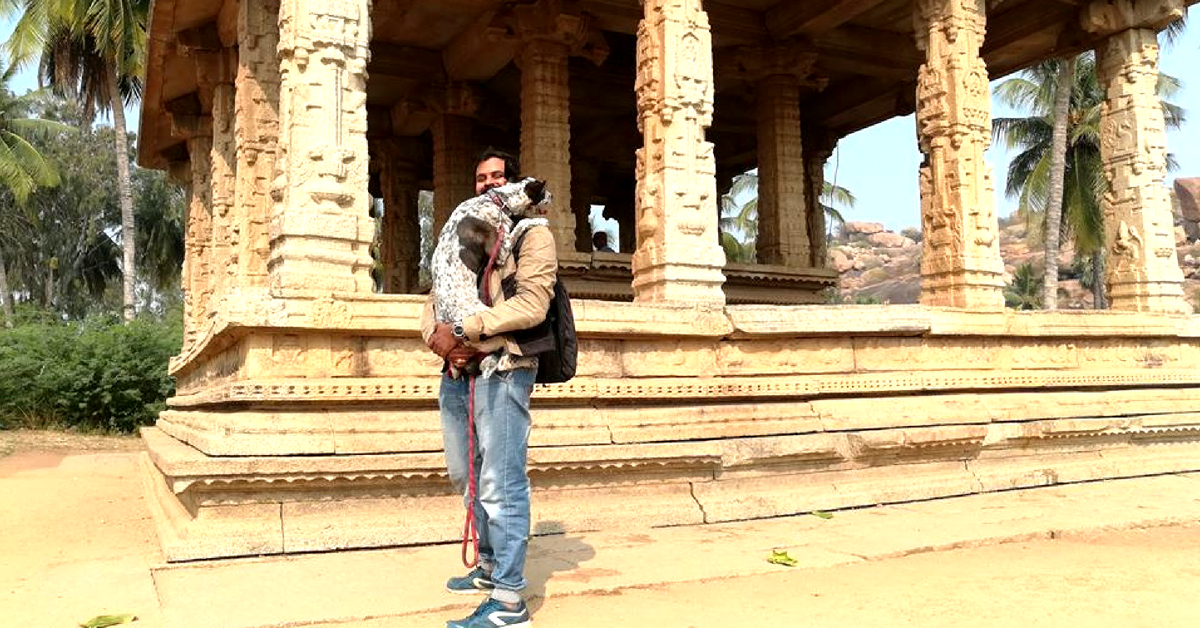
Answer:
(1128, 579)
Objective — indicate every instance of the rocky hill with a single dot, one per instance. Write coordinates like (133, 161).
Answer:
(882, 266)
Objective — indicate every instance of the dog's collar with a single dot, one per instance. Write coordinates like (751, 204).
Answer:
(495, 196)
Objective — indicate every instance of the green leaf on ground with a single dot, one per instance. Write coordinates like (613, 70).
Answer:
(103, 621)
(822, 514)
(780, 557)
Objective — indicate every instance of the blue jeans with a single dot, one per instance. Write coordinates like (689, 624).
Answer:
(502, 441)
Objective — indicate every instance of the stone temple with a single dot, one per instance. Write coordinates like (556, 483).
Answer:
(305, 416)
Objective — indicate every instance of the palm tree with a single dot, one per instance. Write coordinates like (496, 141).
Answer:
(1025, 291)
(738, 221)
(22, 170)
(1029, 173)
(92, 51)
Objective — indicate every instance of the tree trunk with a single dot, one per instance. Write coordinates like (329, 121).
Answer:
(1058, 166)
(5, 295)
(128, 232)
(1098, 281)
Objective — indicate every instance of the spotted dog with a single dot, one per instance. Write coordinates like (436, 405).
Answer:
(466, 242)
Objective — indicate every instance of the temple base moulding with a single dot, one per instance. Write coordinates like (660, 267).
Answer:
(312, 424)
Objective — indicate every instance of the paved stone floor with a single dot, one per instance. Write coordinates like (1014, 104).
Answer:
(77, 541)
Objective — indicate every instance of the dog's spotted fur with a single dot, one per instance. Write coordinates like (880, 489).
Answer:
(466, 242)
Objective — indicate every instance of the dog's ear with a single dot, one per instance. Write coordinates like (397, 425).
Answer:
(536, 191)
(475, 238)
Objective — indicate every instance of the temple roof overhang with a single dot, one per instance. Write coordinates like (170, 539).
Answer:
(865, 68)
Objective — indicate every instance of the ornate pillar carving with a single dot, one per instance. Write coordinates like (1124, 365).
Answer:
(400, 244)
(960, 263)
(320, 230)
(1143, 272)
(197, 256)
(678, 257)
(221, 67)
(453, 151)
(778, 71)
(551, 31)
(256, 132)
(818, 146)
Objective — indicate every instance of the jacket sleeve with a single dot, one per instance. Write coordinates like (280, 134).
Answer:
(428, 322)
(537, 268)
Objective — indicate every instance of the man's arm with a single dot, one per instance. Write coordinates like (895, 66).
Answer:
(537, 267)
(439, 337)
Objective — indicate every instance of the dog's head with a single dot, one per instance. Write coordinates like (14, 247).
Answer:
(526, 198)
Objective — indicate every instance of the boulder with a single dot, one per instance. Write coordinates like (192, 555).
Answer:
(865, 228)
(840, 261)
(1188, 192)
(888, 239)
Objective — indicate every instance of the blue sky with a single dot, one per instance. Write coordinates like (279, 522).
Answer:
(880, 164)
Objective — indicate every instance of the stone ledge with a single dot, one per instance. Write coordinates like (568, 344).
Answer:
(241, 506)
(398, 392)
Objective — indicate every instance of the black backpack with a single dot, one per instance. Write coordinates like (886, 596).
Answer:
(553, 340)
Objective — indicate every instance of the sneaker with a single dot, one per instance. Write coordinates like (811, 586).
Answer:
(494, 614)
(475, 582)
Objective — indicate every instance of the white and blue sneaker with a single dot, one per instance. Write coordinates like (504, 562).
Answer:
(477, 581)
(494, 614)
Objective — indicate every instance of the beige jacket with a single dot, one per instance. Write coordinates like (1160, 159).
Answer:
(534, 278)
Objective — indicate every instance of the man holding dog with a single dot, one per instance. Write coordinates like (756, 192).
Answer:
(501, 413)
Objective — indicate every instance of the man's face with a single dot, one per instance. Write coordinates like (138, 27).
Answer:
(489, 174)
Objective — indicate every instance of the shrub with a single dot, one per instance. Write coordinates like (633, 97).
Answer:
(93, 375)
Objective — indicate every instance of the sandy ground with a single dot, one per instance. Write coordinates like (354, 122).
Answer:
(1122, 579)
(69, 502)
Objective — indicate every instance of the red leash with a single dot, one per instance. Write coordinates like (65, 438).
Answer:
(470, 532)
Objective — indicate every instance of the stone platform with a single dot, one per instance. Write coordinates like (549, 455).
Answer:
(678, 416)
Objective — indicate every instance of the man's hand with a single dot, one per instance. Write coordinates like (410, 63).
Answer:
(442, 342)
(460, 355)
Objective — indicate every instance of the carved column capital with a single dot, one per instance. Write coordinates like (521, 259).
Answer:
(455, 98)
(559, 22)
(1114, 16)
(792, 58)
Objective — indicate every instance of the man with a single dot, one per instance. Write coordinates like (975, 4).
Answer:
(501, 418)
(600, 242)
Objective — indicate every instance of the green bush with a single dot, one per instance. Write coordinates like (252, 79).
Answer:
(94, 375)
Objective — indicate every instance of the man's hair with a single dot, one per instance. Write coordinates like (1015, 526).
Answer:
(600, 236)
(512, 167)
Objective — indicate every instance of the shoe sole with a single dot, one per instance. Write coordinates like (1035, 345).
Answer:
(471, 591)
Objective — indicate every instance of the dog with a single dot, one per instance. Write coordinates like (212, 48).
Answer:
(493, 220)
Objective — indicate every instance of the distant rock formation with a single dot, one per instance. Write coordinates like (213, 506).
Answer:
(1187, 190)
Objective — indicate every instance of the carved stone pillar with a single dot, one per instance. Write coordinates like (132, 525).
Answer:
(256, 129)
(546, 131)
(400, 244)
(960, 262)
(225, 226)
(584, 178)
(678, 257)
(782, 232)
(453, 174)
(453, 151)
(197, 257)
(777, 72)
(1143, 272)
(621, 207)
(818, 146)
(321, 231)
